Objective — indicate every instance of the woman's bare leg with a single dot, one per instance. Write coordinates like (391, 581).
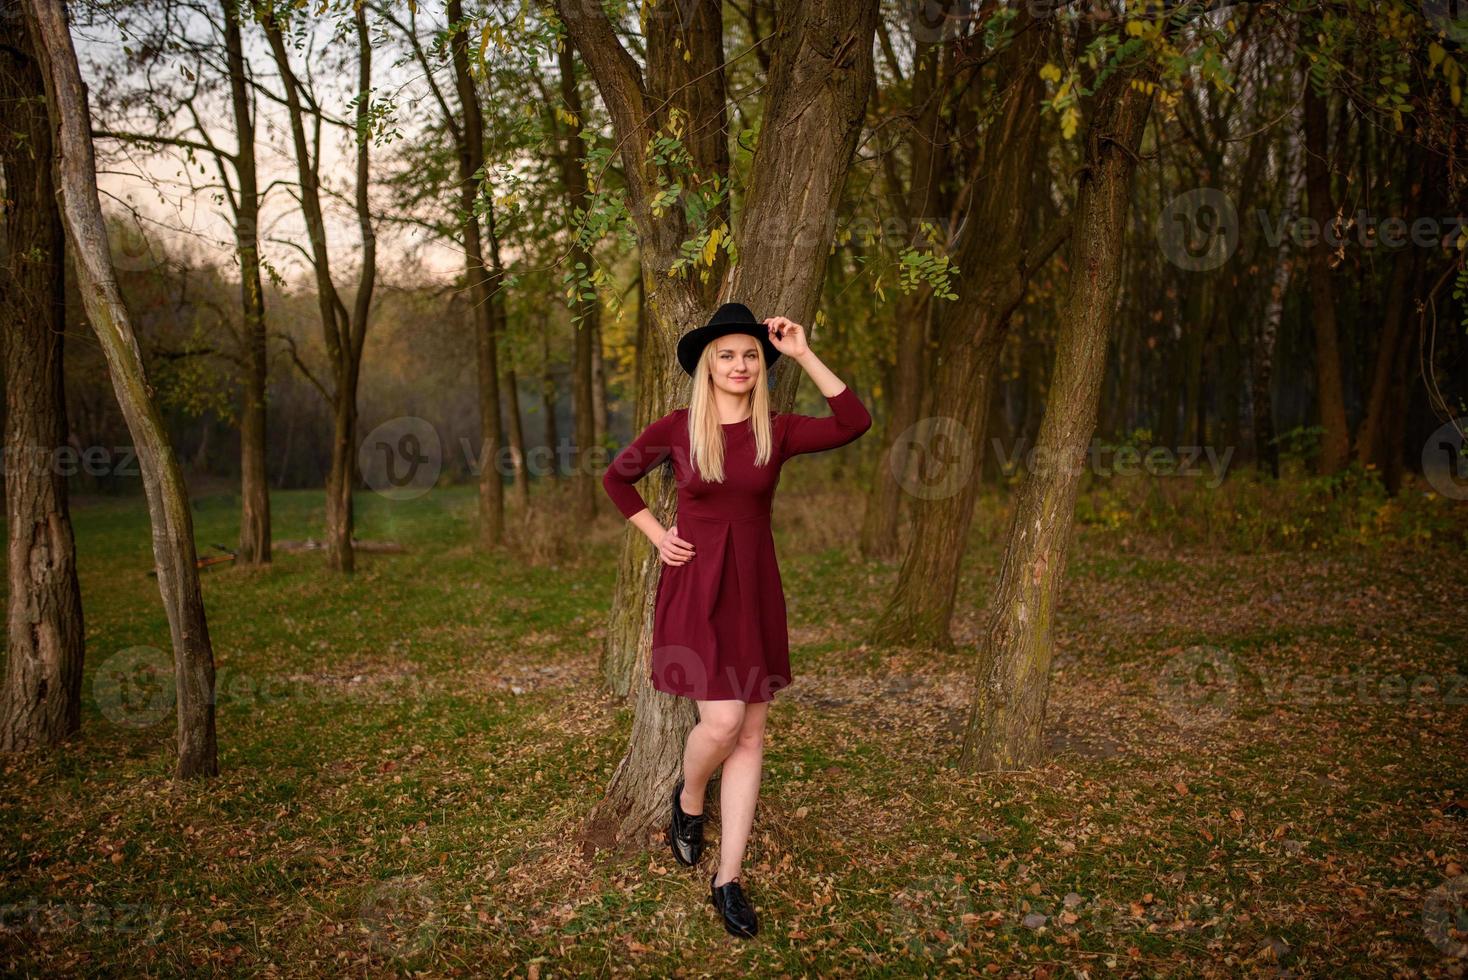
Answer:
(739, 790)
(709, 743)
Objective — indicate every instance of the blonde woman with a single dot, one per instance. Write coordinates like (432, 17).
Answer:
(719, 634)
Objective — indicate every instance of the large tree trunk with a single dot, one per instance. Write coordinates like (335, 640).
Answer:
(1013, 669)
(45, 641)
(820, 76)
(993, 269)
(1335, 441)
(254, 543)
(1372, 440)
(168, 505)
(588, 310)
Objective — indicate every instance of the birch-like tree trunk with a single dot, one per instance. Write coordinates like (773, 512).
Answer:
(168, 504)
(1013, 669)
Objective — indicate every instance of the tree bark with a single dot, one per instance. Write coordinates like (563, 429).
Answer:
(993, 272)
(1335, 441)
(344, 332)
(930, 163)
(45, 639)
(820, 76)
(1004, 728)
(254, 543)
(587, 316)
(168, 506)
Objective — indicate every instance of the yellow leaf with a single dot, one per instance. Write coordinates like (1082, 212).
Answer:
(1135, 28)
(1435, 53)
(1050, 73)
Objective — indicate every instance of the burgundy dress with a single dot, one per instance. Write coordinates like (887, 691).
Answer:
(719, 621)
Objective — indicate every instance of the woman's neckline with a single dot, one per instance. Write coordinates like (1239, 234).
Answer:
(740, 422)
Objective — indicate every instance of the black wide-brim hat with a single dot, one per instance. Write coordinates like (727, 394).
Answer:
(729, 318)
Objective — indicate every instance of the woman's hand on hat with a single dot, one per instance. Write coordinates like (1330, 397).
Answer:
(672, 549)
(787, 336)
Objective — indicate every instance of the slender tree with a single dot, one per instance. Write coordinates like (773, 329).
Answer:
(168, 504)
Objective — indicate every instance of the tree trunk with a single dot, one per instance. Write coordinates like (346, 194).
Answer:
(1335, 441)
(254, 543)
(517, 441)
(1013, 669)
(470, 139)
(343, 332)
(930, 164)
(587, 319)
(45, 639)
(1261, 373)
(993, 270)
(820, 76)
(548, 402)
(168, 505)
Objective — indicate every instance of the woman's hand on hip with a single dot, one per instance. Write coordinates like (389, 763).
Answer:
(672, 549)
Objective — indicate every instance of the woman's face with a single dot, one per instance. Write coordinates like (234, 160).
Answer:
(735, 363)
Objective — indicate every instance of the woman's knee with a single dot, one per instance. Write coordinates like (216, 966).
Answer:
(722, 720)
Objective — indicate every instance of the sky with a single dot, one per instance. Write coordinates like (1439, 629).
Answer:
(173, 199)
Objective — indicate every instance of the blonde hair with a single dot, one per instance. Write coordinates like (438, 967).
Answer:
(705, 432)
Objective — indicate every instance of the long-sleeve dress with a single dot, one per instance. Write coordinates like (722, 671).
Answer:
(719, 628)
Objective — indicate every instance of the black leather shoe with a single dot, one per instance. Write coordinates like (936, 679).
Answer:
(733, 907)
(685, 832)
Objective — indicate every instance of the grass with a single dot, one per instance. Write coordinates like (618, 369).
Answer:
(407, 756)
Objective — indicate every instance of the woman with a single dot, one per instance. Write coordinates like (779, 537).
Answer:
(719, 623)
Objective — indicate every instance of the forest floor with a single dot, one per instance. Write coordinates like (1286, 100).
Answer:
(1258, 766)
